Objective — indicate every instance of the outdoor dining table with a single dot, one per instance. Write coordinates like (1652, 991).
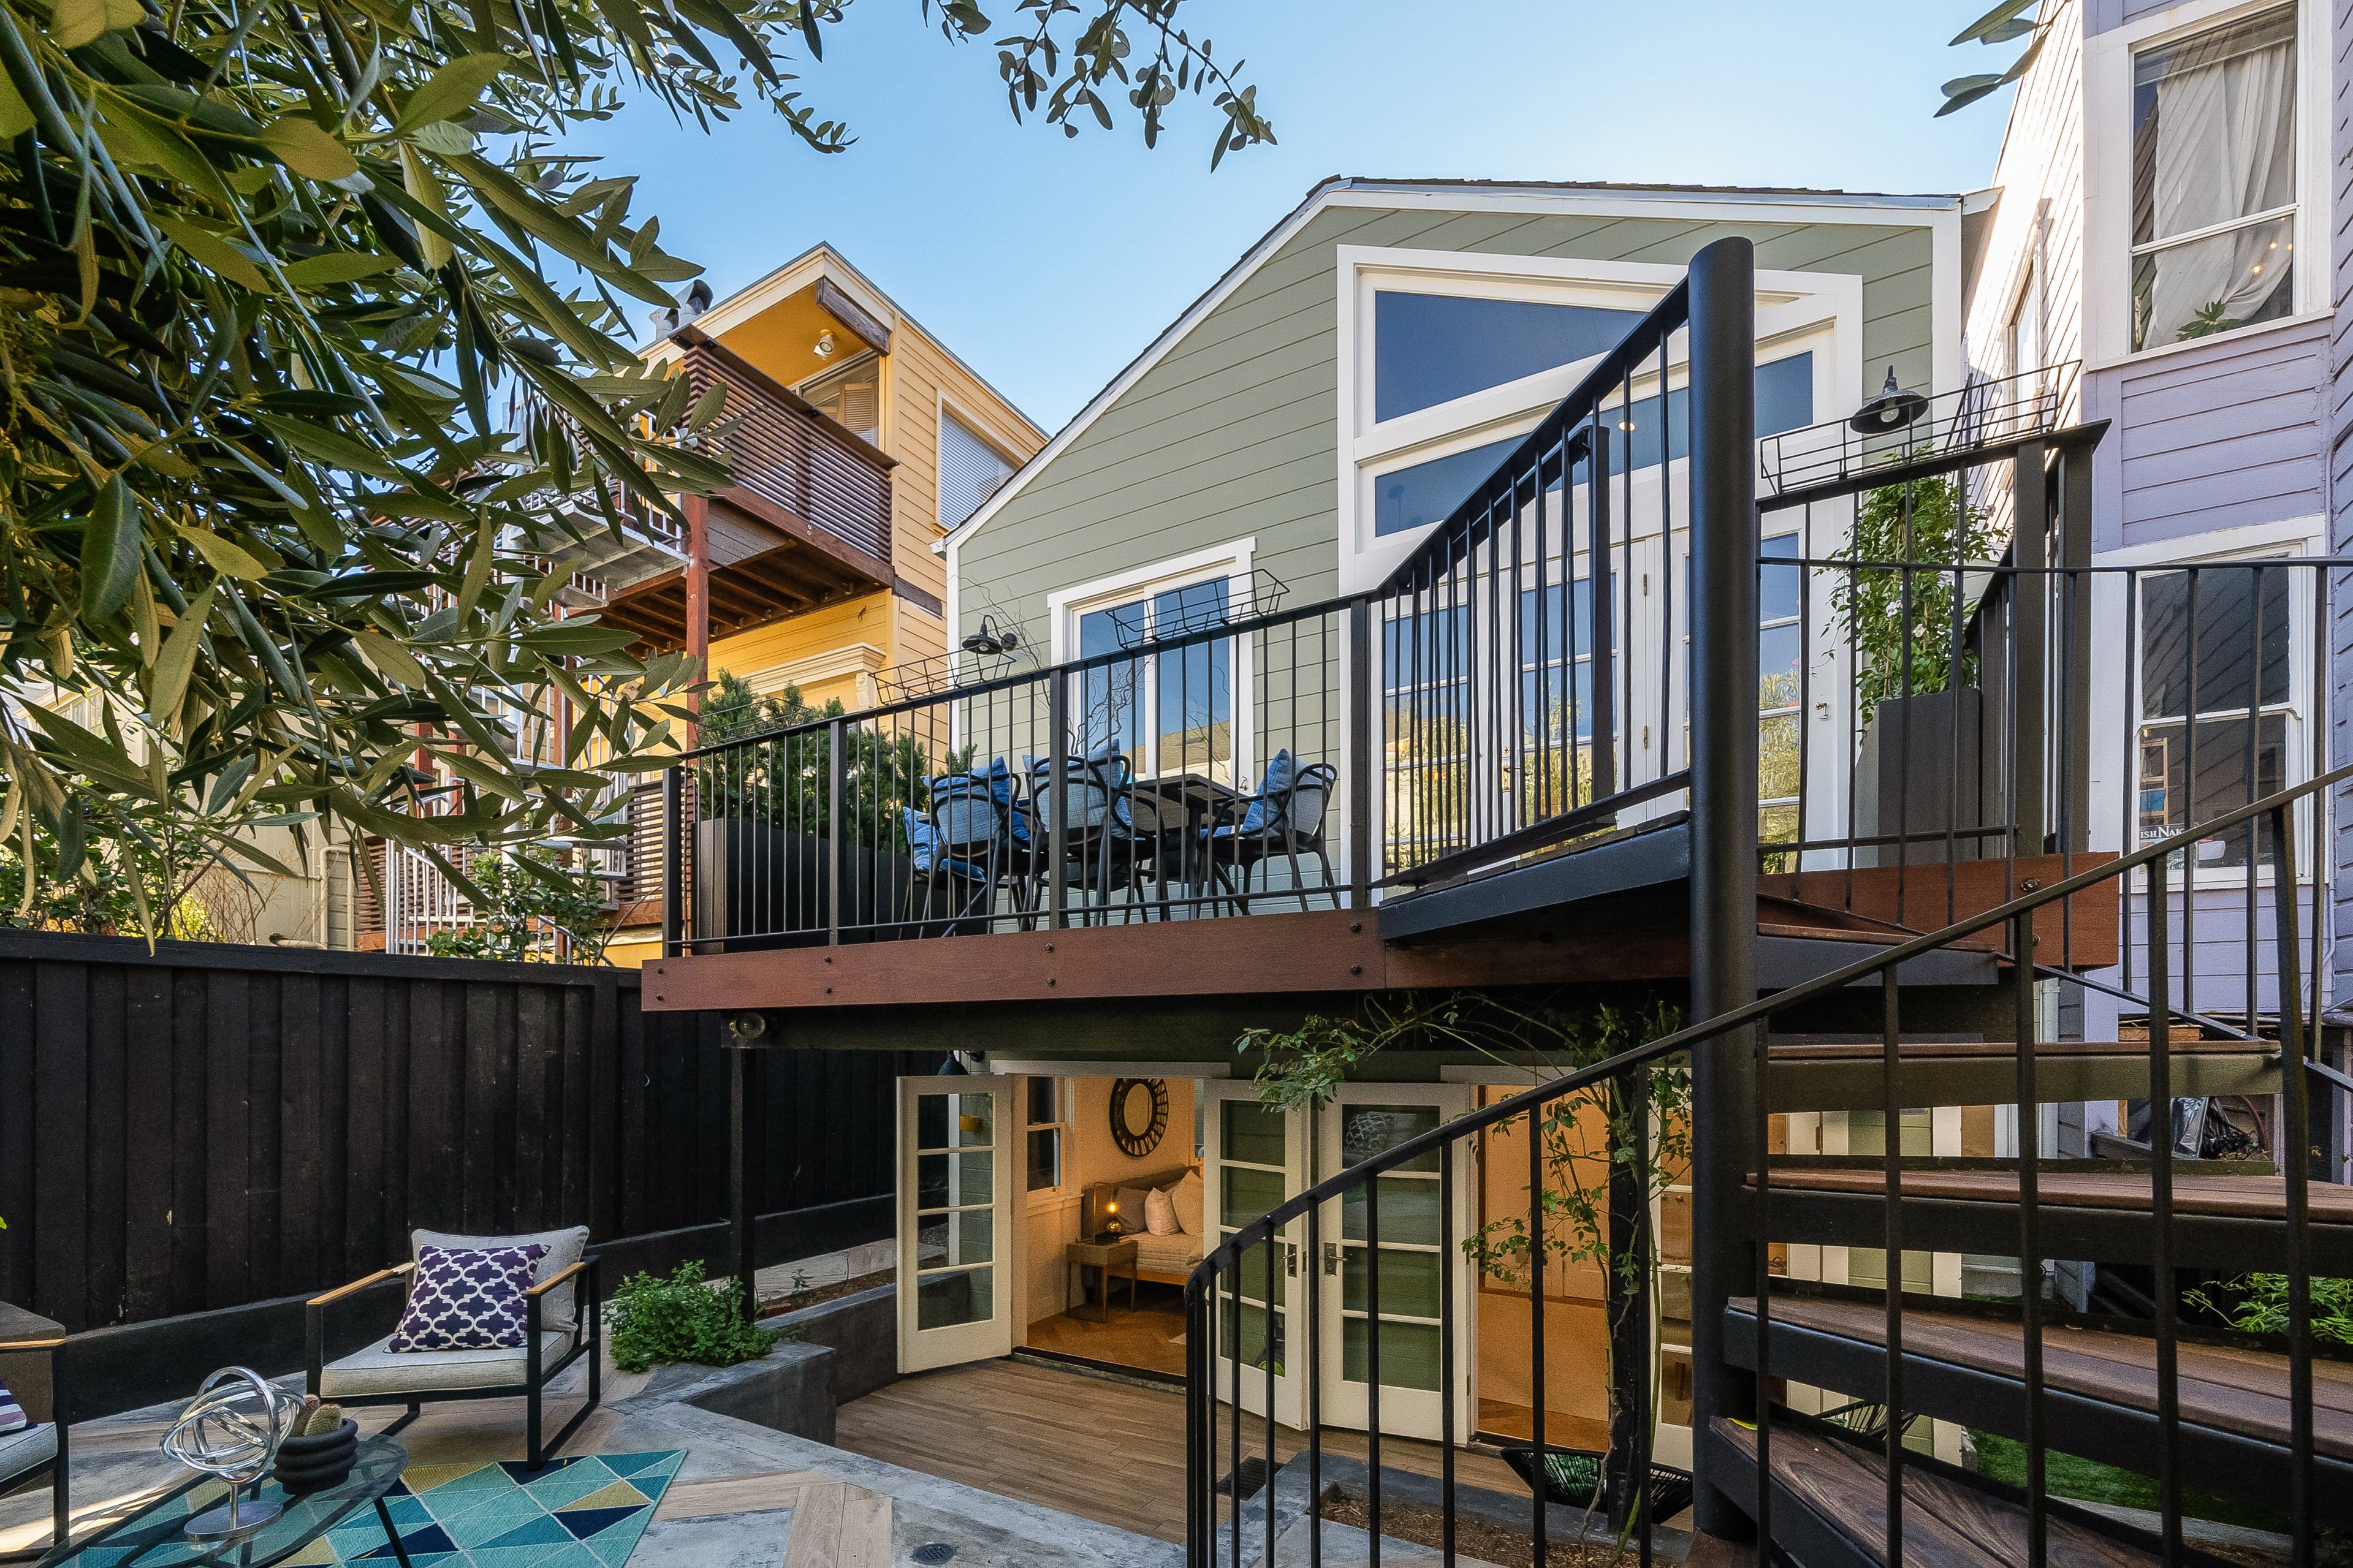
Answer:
(1181, 804)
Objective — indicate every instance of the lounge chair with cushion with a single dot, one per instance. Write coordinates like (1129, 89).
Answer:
(38, 1447)
(562, 1324)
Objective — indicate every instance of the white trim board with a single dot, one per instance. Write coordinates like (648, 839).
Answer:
(1942, 214)
(1111, 1069)
(1197, 566)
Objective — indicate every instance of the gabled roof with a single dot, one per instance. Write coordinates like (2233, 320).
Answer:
(1532, 195)
(822, 261)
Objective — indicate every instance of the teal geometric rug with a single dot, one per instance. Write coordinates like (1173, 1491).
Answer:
(583, 1513)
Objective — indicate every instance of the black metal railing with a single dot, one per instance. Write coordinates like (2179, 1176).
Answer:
(1180, 776)
(1238, 1276)
(1517, 710)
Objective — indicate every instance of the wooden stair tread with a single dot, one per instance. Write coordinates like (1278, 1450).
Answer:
(2231, 1197)
(2001, 1050)
(2232, 1390)
(1945, 1524)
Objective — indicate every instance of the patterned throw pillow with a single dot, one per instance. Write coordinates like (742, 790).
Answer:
(12, 1416)
(467, 1301)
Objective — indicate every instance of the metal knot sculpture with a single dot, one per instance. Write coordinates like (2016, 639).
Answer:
(231, 1430)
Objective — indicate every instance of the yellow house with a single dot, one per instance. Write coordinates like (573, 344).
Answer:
(857, 440)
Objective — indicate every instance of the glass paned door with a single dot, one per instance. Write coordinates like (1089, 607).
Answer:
(956, 1153)
(1255, 1159)
(1400, 1271)
(1172, 711)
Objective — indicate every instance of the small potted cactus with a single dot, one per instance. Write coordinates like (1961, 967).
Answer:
(319, 1452)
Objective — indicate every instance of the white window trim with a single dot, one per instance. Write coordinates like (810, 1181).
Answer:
(1232, 562)
(1790, 304)
(2115, 675)
(2106, 306)
(1065, 1123)
(964, 414)
(1065, 606)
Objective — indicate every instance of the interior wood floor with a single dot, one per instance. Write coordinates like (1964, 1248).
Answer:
(1149, 1338)
(1112, 1452)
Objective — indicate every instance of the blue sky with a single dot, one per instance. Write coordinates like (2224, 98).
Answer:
(1047, 262)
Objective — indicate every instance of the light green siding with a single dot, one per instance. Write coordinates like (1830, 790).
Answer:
(1234, 433)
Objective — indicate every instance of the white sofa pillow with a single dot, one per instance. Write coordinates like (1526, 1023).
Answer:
(1186, 1197)
(1160, 1214)
(564, 1248)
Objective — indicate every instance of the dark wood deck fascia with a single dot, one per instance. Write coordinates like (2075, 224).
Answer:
(1319, 952)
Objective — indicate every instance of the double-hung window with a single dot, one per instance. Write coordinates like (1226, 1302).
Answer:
(2215, 189)
(1049, 1123)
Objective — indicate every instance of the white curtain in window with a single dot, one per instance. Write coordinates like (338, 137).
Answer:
(2225, 149)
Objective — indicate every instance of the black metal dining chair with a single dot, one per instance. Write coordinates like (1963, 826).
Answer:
(1104, 850)
(1284, 820)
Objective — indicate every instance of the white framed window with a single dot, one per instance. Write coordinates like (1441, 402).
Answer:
(970, 470)
(850, 394)
(2215, 193)
(1448, 359)
(1049, 1133)
(2022, 335)
(2217, 715)
(1174, 710)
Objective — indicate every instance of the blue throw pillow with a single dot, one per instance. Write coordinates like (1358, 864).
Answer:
(1273, 793)
(12, 1416)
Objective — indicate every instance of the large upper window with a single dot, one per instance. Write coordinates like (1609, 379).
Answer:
(1423, 493)
(2214, 181)
(970, 471)
(1431, 349)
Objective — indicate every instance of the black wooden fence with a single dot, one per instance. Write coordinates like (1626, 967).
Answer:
(213, 1126)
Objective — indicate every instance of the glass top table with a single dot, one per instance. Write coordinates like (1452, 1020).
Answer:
(154, 1538)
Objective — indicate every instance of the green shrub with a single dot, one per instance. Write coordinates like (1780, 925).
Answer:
(683, 1317)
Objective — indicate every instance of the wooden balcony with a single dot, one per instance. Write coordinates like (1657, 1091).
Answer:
(807, 524)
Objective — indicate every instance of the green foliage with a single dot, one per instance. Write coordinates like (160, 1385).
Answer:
(2211, 319)
(123, 872)
(530, 908)
(1902, 621)
(2088, 1480)
(2008, 21)
(312, 361)
(683, 1317)
(1586, 1136)
(785, 781)
(2258, 1304)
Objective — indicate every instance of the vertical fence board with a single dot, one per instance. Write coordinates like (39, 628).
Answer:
(108, 1086)
(61, 1173)
(149, 1127)
(538, 1126)
(191, 1139)
(365, 1112)
(333, 1014)
(264, 1179)
(227, 1148)
(16, 1141)
(301, 1091)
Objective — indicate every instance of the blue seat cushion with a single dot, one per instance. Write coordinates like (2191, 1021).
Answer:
(1273, 794)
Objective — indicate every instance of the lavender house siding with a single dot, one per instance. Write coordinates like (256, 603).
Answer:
(2339, 417)
(2222, 436)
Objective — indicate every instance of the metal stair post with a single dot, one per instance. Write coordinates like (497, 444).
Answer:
(1724, 675)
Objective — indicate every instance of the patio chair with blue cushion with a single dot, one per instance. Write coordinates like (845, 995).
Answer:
(38, 1448)
(973, 839)
(562, 1324)
(1284, 820)
(1103, 851)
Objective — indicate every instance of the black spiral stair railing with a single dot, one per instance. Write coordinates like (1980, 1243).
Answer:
(1212, 1291)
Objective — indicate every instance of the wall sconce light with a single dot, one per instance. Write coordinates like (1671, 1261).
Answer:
(993, 641)
(824, 345)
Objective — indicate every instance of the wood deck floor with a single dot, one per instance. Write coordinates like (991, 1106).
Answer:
(1107, 1451)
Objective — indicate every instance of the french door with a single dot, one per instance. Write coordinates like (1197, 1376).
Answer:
(1254, 1158)
(1408, 1257)
(958, 1143)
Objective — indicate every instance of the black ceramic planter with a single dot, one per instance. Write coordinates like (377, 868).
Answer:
(306, 1465)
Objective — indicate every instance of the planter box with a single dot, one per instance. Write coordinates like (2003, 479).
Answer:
(1923, 770)
(757, 887)
(862, 1330)
(789, 1390)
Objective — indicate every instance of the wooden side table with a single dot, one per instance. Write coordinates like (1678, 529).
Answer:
(1104, 1256)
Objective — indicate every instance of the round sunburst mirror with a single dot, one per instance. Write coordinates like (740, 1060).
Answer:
(1139, 1115)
